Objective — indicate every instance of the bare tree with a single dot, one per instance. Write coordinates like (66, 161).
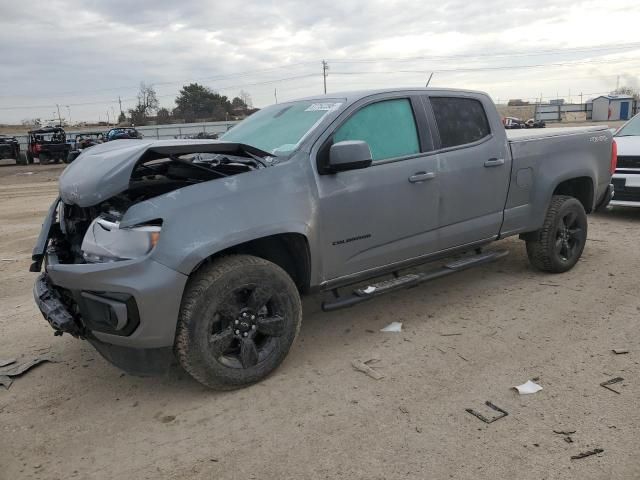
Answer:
(634, 92)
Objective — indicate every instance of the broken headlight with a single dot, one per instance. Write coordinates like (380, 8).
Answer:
(105, 241)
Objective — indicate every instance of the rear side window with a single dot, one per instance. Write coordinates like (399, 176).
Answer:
(460, 120)
(388, 127)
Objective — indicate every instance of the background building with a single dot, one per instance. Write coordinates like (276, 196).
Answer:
(612, 107)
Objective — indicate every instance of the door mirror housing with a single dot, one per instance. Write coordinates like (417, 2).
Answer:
(349, 155)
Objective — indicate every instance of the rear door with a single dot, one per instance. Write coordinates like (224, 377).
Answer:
(386, 213)
(474, 168)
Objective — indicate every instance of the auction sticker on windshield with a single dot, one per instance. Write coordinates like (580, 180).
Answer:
(322, 107)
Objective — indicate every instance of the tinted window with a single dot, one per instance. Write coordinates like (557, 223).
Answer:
(460, 120)
(388, 127)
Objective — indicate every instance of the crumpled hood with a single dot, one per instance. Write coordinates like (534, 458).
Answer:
(104, 170)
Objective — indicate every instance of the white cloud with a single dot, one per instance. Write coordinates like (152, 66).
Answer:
(90, 52)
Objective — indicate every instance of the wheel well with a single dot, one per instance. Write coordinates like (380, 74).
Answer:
(290, 251)
(580, 188)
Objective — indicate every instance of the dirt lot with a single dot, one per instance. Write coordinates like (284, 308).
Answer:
(466, 339)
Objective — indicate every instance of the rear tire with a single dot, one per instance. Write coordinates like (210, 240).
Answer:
(238, 319)
(44, 159)
(29, 158)
(21, 159)
(558, 245)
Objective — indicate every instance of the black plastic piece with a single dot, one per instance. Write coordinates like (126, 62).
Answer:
(141, 362)
(53, 309)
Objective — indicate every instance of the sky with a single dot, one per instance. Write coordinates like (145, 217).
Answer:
(83, 55)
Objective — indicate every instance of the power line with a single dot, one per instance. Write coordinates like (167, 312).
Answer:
(106, 102)
(174, 82)
(494, 55)
(597, 48)
(481, 69)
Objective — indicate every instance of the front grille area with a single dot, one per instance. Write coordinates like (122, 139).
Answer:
(629, 161)
(623, 193)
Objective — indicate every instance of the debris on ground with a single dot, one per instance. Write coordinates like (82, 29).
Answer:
(612, 382)
(15, 368)
(7, 361)
(8, 259)
(366, 369)
(588, 453)
(620, 351)
(564, 432)
(528, 388)
(394, 327)
(502, 413)
(5, 381)
(568, 439)
(450, 334)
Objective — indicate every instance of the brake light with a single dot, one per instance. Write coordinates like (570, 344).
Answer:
(614, 157)
(37, 147)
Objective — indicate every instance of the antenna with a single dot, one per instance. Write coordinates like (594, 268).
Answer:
(429, 81)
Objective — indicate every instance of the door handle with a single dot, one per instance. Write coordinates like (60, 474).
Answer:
(422, 177)
(494, 162)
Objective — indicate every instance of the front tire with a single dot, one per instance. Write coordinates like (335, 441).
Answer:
(238, 320)
(558, 245)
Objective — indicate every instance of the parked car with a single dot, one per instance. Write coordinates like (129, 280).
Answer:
(48, 144)
(533, 123)
(202, 248)
(123, 134)
(626, 180)
(83, 141)
(513, 122)
(10, 148)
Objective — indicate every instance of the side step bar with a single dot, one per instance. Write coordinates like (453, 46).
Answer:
(410, 280)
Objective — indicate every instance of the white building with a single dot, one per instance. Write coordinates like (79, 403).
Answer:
(612, 107)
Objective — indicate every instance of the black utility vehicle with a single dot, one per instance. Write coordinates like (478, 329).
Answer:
(10, 148)
(83, 141)
(49, 144)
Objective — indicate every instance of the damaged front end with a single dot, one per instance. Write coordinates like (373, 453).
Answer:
(100, 281)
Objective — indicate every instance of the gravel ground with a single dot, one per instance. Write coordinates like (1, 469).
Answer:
(466, 339)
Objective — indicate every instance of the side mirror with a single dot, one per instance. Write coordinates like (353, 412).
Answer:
(349, 155)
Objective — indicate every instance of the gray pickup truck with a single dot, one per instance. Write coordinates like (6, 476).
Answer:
(201, 250)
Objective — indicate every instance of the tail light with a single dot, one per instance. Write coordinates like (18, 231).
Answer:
(37, 147)
(614, 157)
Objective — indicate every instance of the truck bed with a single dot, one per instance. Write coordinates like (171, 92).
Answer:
(538, 133)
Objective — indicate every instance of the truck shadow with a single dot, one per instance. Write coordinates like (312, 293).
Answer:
(621, 213)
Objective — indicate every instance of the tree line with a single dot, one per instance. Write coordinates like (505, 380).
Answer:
(194, 103)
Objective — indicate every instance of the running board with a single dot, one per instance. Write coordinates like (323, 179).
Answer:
(410, 280)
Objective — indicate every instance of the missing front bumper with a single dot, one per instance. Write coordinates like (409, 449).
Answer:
(53, 308)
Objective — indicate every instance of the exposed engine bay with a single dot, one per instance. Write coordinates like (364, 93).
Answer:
(86, 234)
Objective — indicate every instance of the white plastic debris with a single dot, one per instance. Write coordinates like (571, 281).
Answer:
(528, 388)
(369, 290)
(393, 327)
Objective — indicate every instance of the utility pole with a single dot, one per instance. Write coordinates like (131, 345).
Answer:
(275, 94)
(581, 98)
(59, 118)
(120, 103)
(429, 81)
(325, 69)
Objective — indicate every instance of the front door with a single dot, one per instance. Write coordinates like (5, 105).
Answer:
(386, 213)
(474, 170)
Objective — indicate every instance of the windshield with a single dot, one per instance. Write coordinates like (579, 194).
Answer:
(280, 128)
(630, 129)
